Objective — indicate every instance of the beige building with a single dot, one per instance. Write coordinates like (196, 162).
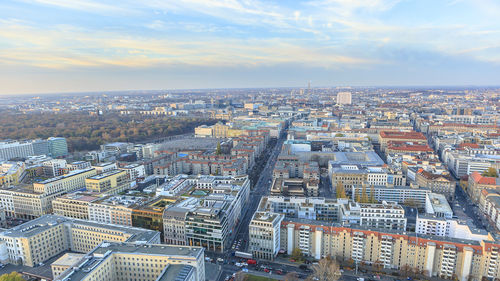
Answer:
(40, 239)
(442, 184)
(31, 203)
(71, 181)
(111, 182)
(74, 205)
(129, 261)
(11, 173)
(477, 182)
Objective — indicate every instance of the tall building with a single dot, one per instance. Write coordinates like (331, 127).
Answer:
(41, 147)
(57, 147)
(264, 233)
(344, 98)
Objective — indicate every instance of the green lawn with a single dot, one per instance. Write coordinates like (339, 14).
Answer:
(258, 278)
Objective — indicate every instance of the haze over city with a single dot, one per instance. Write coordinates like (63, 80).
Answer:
(51, 46)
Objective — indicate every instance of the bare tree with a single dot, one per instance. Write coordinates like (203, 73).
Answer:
(326, 270)
(240, 276)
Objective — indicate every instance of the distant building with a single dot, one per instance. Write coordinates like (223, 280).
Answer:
(344, 98)
(57, 147)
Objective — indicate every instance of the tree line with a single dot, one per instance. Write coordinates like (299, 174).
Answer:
(85, 132)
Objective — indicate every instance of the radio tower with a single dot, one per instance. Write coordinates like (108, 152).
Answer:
(309, 88)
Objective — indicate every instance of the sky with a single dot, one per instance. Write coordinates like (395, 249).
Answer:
(50, 46)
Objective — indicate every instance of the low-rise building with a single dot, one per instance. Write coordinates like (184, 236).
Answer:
(65, 262)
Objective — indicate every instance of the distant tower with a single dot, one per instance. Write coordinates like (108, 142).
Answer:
(309, 87)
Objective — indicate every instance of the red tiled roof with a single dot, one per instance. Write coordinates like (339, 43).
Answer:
(467, 144)
(478, 178)
(402, 135)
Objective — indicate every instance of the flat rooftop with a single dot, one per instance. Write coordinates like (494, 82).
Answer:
(106, 174)
(106, 249)
(70, 174)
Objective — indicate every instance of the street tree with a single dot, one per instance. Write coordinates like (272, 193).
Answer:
(325, 270)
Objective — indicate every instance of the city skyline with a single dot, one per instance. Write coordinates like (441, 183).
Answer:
(51, 46)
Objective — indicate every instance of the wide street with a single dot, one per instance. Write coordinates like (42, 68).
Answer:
(260, 188)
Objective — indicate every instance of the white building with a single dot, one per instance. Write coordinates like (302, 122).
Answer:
(388, 215)
(14, 149)
(452, 228)
(264, 233)
(344, 98)
(134, 171)
(437, 205)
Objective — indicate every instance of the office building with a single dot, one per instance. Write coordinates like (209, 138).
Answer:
(131, 261)
(57, 147)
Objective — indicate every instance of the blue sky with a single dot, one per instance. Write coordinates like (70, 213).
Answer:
(91, 45)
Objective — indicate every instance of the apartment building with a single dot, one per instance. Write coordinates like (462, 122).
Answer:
(264, 233)
(111, 182)
(404, 195)
(444, 257)
(489, 204)
(74, 205)
(130, 261)
(351, 176)
(453, 228)
(388, 215)
(40, 239)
